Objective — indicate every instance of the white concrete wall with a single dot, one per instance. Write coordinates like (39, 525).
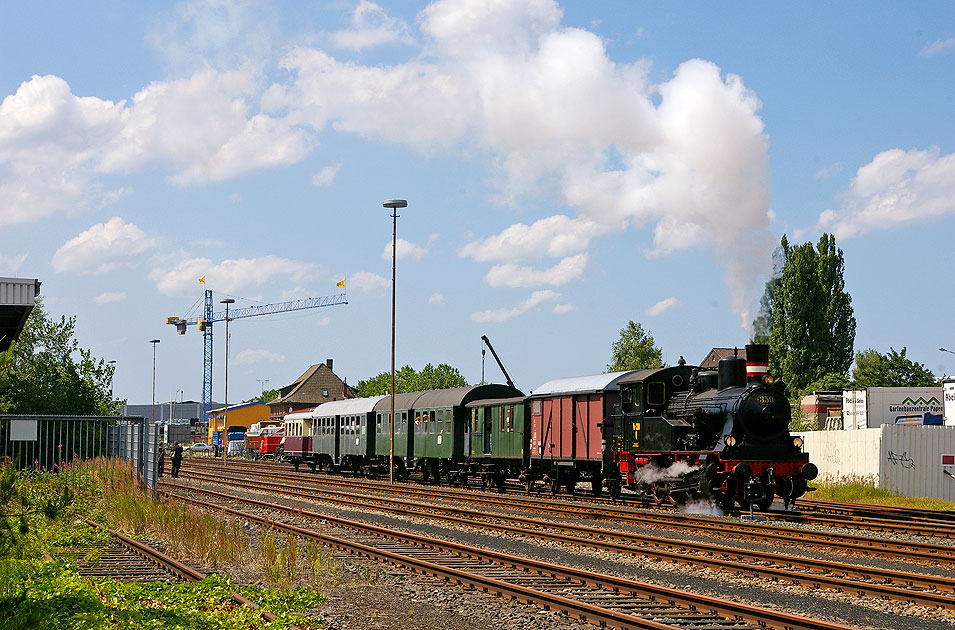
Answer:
(844, 454)
(913, 461)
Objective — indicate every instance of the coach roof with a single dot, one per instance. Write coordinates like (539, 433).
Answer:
(347, 407)
(580, 384)
(453, 397)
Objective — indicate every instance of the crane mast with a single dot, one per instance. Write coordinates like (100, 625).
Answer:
(209, 316)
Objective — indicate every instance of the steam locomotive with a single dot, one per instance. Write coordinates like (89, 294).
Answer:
(672, 435)
(686, 434)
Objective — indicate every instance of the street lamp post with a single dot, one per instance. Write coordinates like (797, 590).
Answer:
(152, 418)
(112, 363)
(225, 417)
(393, 204)
(152, 414)
(948, 351)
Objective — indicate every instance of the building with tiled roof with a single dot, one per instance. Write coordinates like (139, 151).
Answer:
(714, 356)
(317, 385)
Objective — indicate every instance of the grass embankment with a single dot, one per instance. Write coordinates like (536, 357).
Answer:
(856, 491)
(36, 594)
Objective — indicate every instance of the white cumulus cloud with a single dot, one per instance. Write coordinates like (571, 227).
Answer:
(253, 357)
(326, 176)
(371, 26)
(896, 188)
(435, 298)
(54, 145)
(369, 282)
(230, 276)
(504, 314)
(103, 247)
(562, 309)
(402, 248)
(662, 306)
(555, 237)
(513, 276)
(110, 297)
(10, 263)
(938, 46)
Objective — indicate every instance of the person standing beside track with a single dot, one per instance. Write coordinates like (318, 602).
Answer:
(176, 460)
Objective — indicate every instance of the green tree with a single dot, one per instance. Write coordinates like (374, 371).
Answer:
(813, 327)
(634, 350)
(874, 369)
(45, 371)
(266, 396)
(442, 376)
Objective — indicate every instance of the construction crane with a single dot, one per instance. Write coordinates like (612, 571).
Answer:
(496, 358)
(204, 324)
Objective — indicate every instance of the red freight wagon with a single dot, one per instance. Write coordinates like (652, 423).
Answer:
(568, 416)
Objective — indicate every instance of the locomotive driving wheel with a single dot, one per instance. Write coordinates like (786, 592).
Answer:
(661, 493)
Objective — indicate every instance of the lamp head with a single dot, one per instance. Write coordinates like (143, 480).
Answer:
(395, 203)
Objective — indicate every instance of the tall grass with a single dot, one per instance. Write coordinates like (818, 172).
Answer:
(855, 489)
(211, 540)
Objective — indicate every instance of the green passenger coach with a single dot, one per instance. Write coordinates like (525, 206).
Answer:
(433, 428)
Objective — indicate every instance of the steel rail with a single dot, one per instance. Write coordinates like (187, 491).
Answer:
(176, 567)
(904, 550)
(896, 585)
(701, 603)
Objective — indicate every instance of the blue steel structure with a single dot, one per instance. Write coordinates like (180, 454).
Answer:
(209, 316)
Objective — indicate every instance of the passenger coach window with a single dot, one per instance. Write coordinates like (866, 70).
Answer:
(474, 421)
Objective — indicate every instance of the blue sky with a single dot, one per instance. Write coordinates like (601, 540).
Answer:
(568, 167)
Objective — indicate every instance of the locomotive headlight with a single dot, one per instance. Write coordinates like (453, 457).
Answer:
(730, 440)
(797, 442)
(768, 379)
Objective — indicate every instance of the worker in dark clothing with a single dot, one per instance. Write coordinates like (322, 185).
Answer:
(162, 461)
(176, 459)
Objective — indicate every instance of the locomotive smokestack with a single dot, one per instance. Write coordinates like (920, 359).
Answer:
(757, 362)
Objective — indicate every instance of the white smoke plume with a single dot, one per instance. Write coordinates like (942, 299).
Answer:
(701, 506)
(652, 473)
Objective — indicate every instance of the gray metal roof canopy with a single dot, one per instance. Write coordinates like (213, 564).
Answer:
(17, 299)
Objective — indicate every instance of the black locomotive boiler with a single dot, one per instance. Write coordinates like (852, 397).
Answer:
(722, 435)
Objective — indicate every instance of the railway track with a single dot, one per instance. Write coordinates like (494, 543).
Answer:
(836, 575)
(596, 598)
(124, 558)
(892, 550)
(836, 516)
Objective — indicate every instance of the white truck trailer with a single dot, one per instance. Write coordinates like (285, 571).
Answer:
(872, 407)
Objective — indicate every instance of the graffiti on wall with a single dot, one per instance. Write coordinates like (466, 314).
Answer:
(902, 460)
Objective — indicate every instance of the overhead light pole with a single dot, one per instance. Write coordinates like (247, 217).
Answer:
(225, 416)
(152, 414)
(393, 204)
(111, 362)
(948, 351)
